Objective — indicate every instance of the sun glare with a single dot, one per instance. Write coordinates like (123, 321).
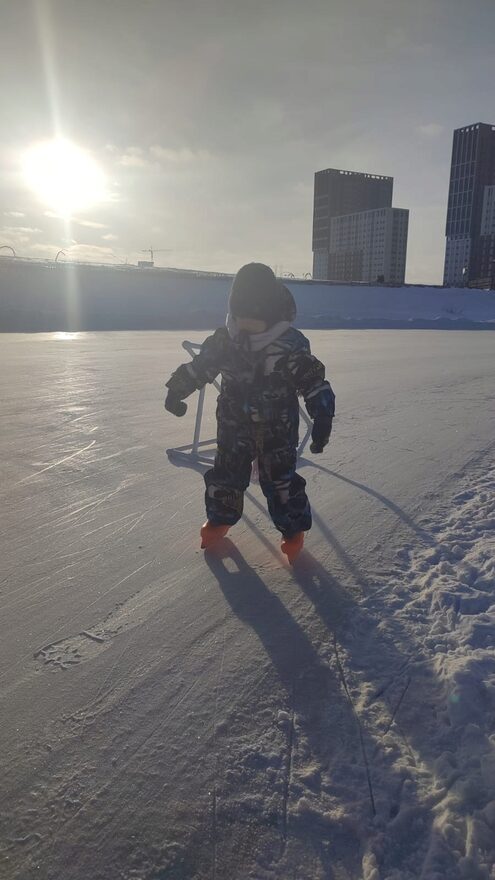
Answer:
(63, 176)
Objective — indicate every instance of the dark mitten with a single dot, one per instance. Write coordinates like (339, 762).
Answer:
(175, 405)
(320, 435)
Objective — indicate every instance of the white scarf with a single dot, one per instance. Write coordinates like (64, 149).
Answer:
(258, 341)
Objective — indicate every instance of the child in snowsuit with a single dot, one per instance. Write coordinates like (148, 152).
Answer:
(264, 363)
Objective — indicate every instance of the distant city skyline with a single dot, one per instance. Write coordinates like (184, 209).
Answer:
(197, 125)
(470, 224)
(357, 235)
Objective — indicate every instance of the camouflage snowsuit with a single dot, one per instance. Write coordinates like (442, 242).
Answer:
(258, 417)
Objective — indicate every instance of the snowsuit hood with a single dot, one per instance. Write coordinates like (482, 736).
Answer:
(257, 293)
(255, 341)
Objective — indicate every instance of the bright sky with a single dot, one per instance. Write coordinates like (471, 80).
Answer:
(196, 126)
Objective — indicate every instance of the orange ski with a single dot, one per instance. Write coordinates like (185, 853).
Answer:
(210, 534)
(292, 546)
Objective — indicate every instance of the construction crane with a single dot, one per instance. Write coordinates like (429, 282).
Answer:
(151, 251)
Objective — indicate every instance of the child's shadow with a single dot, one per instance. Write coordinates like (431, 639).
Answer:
(329, 749)
(313, 689)
(250, 599)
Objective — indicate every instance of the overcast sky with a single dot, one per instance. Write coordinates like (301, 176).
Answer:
(210, 119)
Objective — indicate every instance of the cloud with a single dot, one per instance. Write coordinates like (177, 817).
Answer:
(133, 157)
(431, 129)
(21, 230)
(110, 237)
(91, 252)
(184, 155)
(13, 214)
(75, 252)
(138, 157)
(46, 251)
(17, 236)
(91, 224)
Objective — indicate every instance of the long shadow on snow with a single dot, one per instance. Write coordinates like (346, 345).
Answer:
(315, 700)
(325, 698)
(400, 667)
(401, 514)
(392, 505)
(329, 732)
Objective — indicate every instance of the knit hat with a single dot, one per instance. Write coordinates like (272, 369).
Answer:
(256, 293)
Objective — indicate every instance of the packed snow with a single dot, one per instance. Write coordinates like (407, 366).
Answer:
(169, 714)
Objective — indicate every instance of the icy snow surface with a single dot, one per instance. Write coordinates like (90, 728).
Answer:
(167, 715)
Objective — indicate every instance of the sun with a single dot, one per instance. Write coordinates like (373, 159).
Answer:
(63, 176)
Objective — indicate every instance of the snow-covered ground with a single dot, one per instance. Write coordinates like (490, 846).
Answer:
(167, 715)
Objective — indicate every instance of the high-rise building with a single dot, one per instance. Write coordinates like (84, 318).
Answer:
(470, 228)
(357, 235)
(369, 246)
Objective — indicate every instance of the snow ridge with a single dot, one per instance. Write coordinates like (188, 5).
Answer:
(384, 759)
(444, 698)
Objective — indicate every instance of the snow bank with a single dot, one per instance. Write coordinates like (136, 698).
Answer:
(441, 736)
(56, 296)
(321, 305)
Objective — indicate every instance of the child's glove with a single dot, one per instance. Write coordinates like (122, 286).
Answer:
(320, 435)
(175, 405)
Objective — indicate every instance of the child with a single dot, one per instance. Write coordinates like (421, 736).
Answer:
(265, 363)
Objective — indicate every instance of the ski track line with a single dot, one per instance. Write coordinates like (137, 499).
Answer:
(40, 595)
(50, 524)
(32, 584)
(214, 793)
(106, 525)
(57, 635)
(398, 705)
(358, 723)
(392, 679)
(89, 415)
(99, 694)
(159, 793)
(54, 465)
(78, 561)
(90, 505)
(118, 454)
(288, 776)
(86, 714)
(83, 610)
(393, 714)
(93, 505)
(122, 803)
(82, 551)
(146, 512)
(54, 512)
(33, 600)
(463, 474)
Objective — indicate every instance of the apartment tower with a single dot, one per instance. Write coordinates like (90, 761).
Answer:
(357, 235)
(470, 228)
